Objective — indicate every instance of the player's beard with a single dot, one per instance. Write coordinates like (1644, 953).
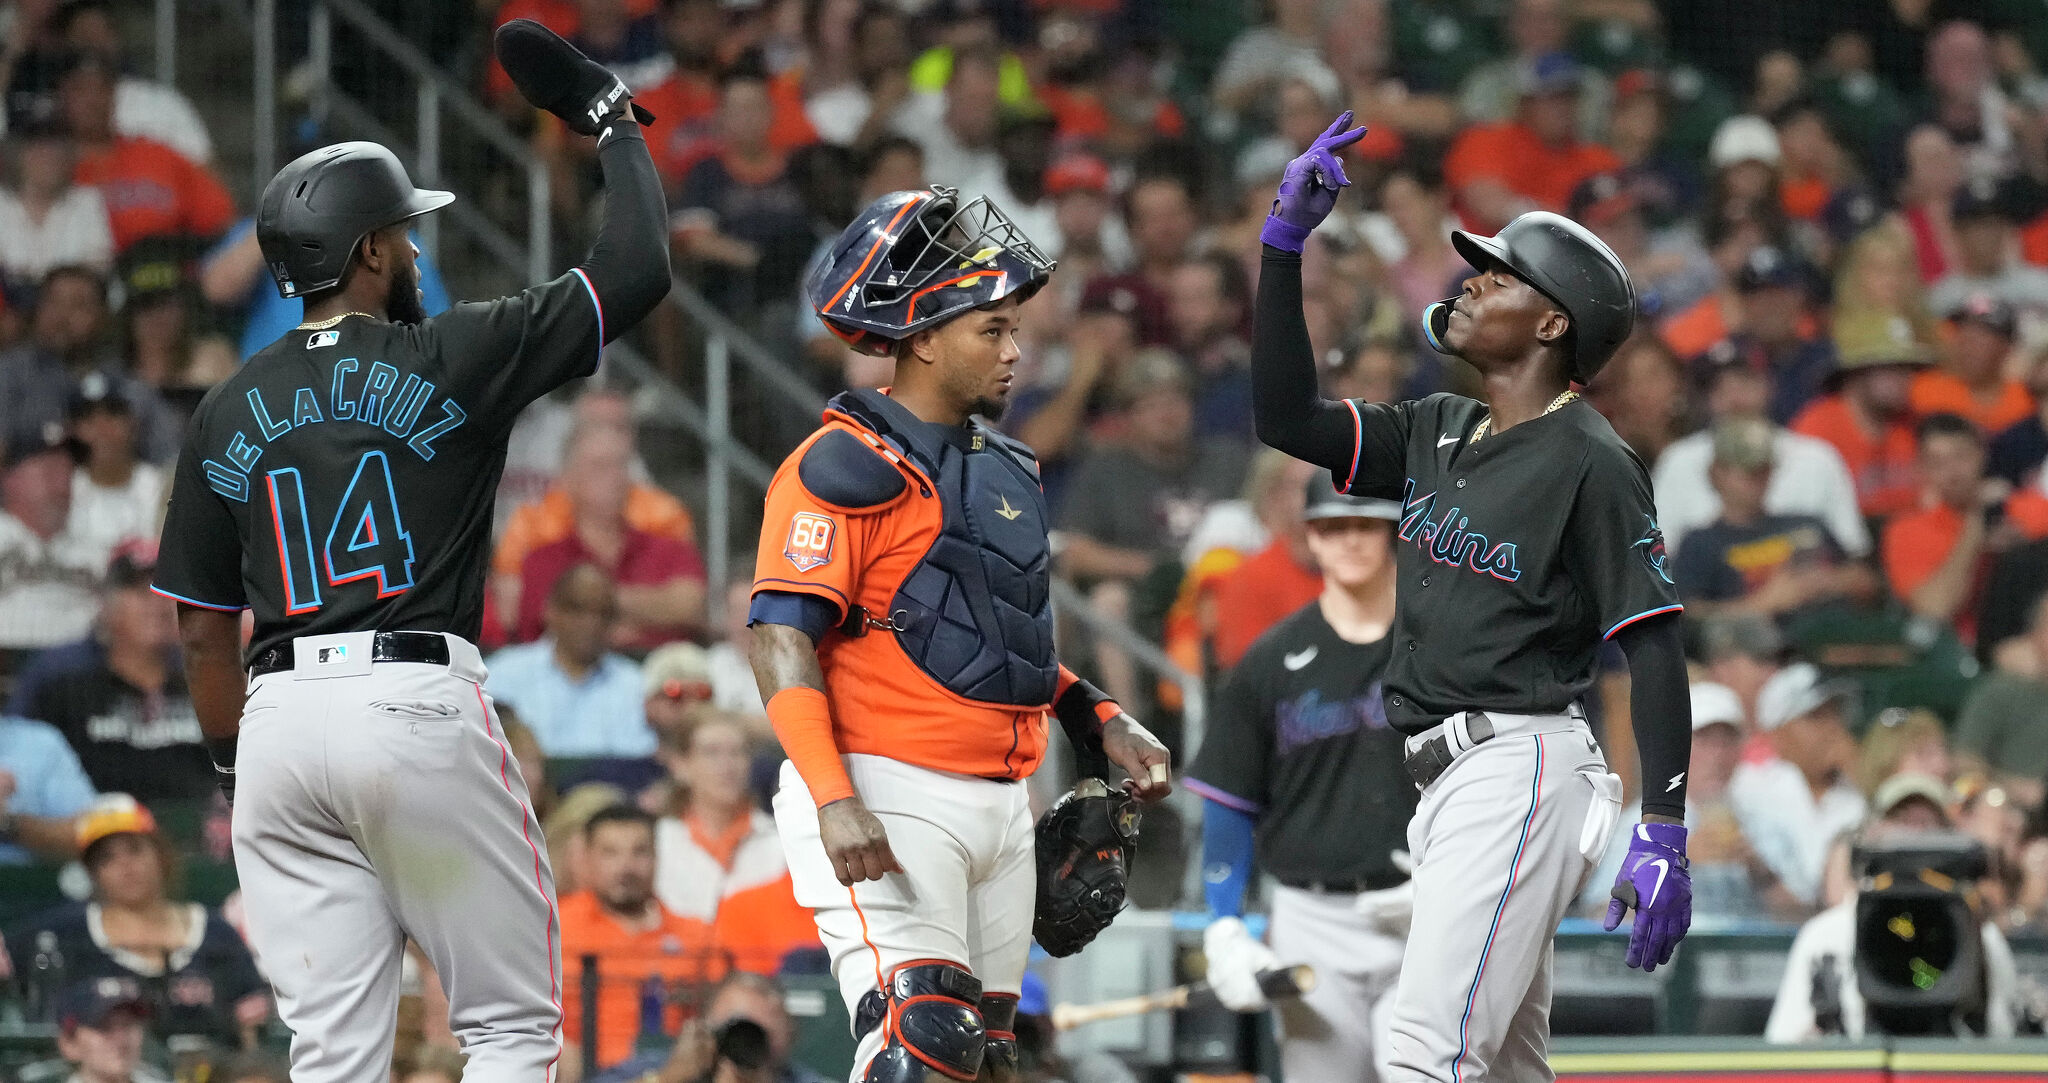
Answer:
(989, 407)
(403, 303)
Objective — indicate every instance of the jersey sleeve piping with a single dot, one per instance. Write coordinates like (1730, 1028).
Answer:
(154, 589)
(798, 586)
(1357, 444)
(597, 305)
(1222, 797)
(1644, 615)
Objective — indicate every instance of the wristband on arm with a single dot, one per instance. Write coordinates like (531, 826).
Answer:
(1083, 710)
(803, 723)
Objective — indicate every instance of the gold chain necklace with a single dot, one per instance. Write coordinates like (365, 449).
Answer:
(327, 323)
(1486, 423)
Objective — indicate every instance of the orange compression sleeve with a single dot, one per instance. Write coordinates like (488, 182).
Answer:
(803, 723)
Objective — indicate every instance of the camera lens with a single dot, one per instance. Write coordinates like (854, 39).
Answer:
(743, 1042)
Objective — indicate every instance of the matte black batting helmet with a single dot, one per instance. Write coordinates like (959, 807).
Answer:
(1563, 261)
(318, 208)
(915, 259)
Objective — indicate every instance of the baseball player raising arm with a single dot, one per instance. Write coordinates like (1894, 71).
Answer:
(1299, 742)
(903, 643)
(340, 487)
(1527, 536)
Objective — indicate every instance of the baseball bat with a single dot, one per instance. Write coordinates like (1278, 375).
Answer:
(1279, 982)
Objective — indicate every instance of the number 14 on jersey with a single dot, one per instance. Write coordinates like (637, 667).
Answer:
(365, 540)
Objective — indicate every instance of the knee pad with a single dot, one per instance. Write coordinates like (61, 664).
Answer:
(930, 1020)
(999, 1022)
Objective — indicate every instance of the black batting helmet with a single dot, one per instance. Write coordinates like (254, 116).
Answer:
(318, 208)
(1563, 261)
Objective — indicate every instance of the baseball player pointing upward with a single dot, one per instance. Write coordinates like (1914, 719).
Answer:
(1527, 535)
(340, 486)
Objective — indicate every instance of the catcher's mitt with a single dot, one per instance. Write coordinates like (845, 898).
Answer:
(1084, 854)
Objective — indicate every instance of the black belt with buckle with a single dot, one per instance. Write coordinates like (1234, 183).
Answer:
(1433, 757)
(430, 648)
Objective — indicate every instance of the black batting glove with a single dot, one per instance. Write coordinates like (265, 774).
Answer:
(555, 75)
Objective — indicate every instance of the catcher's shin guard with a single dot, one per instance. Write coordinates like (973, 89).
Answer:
(930, 1020)
(999, 1022)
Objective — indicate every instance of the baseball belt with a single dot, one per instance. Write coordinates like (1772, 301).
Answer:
(430, 648)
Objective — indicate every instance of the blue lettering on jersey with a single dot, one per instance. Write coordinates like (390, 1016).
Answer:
(376, 389)
(341, 406)
(451, 416)
(406, 406)
(1309, 717)
(242, 453)
(271, 430)
(1449, 541)
(305, 407)
(383, 400)
(233, 484)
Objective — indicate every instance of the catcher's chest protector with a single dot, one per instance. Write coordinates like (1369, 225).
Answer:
(976, 613)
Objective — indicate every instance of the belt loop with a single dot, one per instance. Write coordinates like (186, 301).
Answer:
(1456, 735)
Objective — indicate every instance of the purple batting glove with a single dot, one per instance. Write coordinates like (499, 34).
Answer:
(1655, 880)
(1308, 190)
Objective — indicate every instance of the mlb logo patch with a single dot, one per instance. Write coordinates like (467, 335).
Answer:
(332, 656)
(810, 541)
(324, 338)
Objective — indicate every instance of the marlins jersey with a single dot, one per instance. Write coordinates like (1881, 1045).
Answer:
(1516, 555)
(343, 479)
(1299, 738)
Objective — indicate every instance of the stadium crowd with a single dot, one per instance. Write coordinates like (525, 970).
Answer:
(1837, 220)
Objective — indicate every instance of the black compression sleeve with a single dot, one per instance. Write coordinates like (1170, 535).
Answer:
(1290, 411)
(628, 264)
(1660, 706)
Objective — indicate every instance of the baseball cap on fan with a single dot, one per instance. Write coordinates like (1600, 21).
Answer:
(1795, 692)
(677, 671)
(95, 1001)
(1715, 705)
(1325, 502)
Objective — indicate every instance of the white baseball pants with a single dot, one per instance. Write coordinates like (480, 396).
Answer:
(965, 895)
(376, 802)
(1335, 1031)
(1502, 842)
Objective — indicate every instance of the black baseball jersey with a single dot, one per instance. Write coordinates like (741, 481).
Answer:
(1299, 738)
(1516, 555)
(343, 479)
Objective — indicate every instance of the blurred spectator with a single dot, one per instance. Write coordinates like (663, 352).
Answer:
(1987, 255)
(1901, 741)
(532, 761)
(1807, 475)
(1304, 99)
(682, 101)
(2003, 729)
(100, 1031)
(626, 41)
(1730, 881)
(162, 334)
(1058, 407)
(42, 788)
(1971, 382)
(1815, 169)
(1160, 214)
(233, 276)
(1775, 332)
(1497, 171)
(1751, 561)
(1265, 53)
(64, 343)
(1209, 306)
(1792, 805)
(855, 71)
(617, 925)
(198, 977)
(1671, 271)
(568, 851)
(738, 212)
(1642, 394)
(957, 126)
(48, 582)
(1825, 951)
(1274, 580)
(719, 858)
(1866, 417)
(118, 695)
(2017, 452)
(1937, 558)
(731, 674)
(660, 581)
(1927, 197)
(678, 684)
(1745, 155)
(1874, 278)
(1741, 654)
(46, 220)
(1089, 239)
(552, 517)
(755, 998)
(114, 498)
(540, 444)
(1415, 203)
(429, 1064)
(1964, 98)
(580, 698)
(150, 189)
(143, 108)
(1536, 30)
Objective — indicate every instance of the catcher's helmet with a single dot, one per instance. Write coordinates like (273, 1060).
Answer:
(1563, 261)
(318, 208)
(916, 259)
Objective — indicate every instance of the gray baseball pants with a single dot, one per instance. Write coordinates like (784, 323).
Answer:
(375, 802)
